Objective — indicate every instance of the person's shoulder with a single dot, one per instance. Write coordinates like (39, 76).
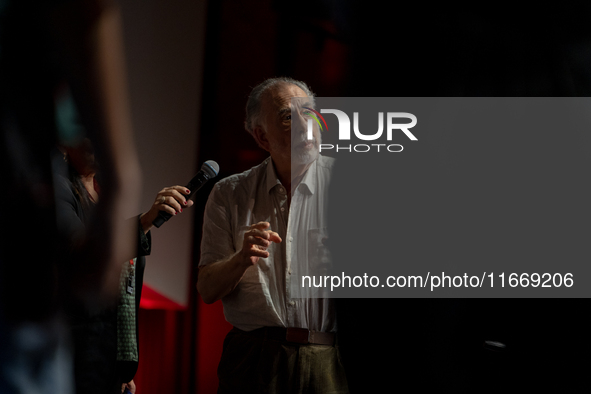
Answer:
(63, 188)
(61, 181)
(325, 162)
(245, 178)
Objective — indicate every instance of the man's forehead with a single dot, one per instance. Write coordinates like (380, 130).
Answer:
(282, 94)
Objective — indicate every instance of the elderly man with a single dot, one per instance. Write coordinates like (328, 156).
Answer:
(253, 225)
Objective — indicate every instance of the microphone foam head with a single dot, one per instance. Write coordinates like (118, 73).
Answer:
(211, 168)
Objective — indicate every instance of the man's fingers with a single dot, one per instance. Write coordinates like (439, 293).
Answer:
(260, 225)
(257, 233)
(273, 236)
(258, 241)
(255, 252)
(265, 234)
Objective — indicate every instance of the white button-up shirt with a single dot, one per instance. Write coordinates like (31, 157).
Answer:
(264, 296)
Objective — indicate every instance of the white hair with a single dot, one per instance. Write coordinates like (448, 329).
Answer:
(253, 105)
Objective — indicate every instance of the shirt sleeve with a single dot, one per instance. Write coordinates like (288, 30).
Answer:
(144, 246)
(69, 223)
(217, 241)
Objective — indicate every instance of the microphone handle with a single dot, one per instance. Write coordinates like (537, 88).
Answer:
(194, 184)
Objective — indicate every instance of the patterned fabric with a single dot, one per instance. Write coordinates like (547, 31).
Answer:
(126, 317)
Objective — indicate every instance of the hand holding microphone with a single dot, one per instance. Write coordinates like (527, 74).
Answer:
(179, 196)
(172, 200)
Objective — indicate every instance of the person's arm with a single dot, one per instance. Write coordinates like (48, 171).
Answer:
(69, 223)
(218, 279)
(221, 265)
(169, 199)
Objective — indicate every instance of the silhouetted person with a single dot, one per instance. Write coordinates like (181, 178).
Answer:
(43, 43)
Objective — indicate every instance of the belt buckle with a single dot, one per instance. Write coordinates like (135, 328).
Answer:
(297, 335)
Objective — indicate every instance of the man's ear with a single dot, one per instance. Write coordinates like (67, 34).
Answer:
(260, 136)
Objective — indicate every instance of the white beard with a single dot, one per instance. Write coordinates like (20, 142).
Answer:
(302, 155)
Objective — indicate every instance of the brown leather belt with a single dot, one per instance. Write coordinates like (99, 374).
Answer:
(293, 335)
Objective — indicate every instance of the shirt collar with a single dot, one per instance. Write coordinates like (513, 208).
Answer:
(272, 179)
(308, 181)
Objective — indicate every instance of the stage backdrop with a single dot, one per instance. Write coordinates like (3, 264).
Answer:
(164, 43)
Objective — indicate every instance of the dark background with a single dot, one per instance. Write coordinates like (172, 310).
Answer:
(365, 49)
(358, 49)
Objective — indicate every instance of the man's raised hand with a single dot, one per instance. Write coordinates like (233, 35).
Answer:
(256, 241)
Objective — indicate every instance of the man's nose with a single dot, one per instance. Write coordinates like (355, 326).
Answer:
(299, 124)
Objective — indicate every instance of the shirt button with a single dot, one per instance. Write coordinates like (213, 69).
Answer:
(281, 190)
(282, 209)
(292, 303)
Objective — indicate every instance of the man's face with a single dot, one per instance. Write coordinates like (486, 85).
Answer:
(284, 130)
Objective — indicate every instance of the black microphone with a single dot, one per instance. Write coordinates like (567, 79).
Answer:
(209, 169)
